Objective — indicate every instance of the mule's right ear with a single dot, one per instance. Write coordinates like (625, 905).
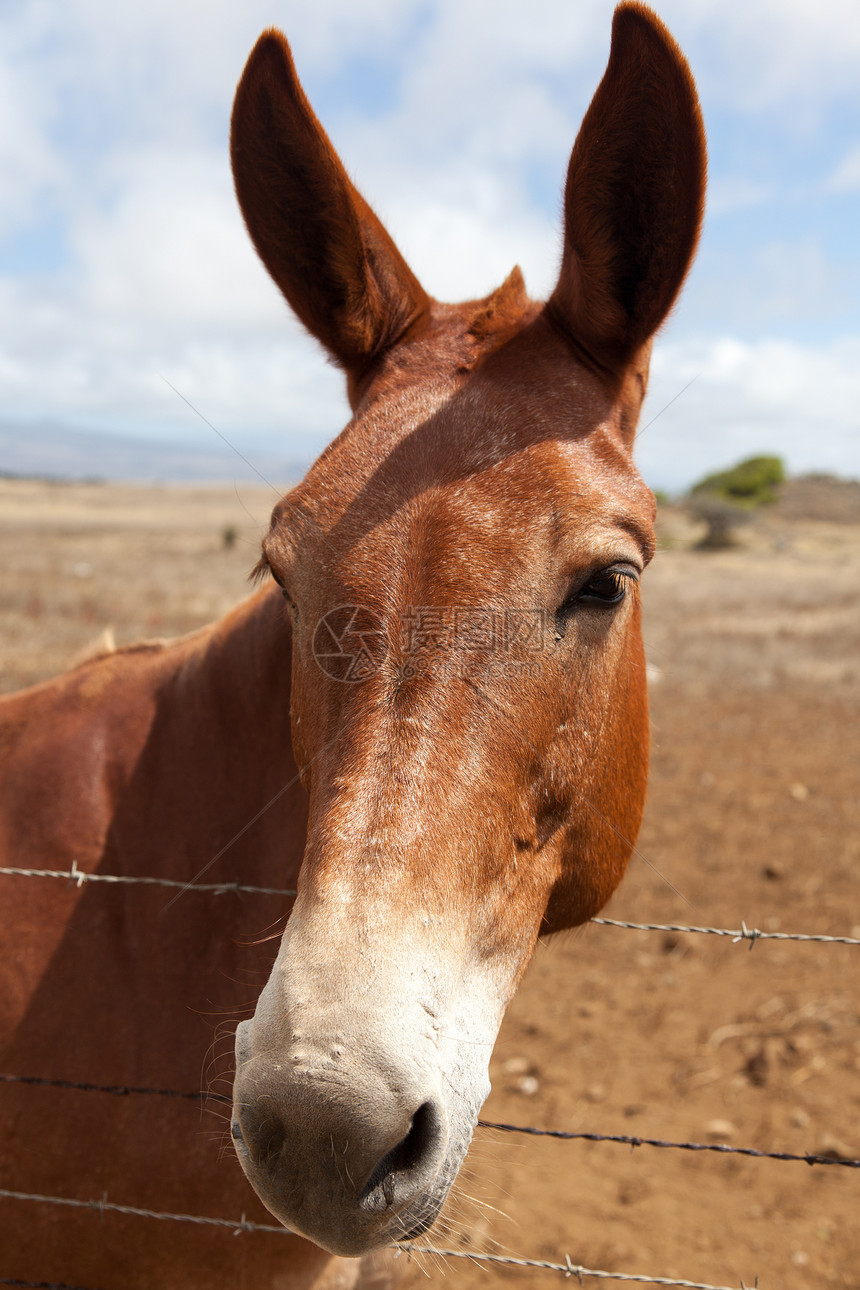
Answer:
(634, 196)
(319, 239)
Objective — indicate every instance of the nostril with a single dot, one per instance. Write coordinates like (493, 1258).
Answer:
(409, 1166)
(410, 1151)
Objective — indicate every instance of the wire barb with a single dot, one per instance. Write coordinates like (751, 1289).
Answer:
(747, 934)
(572, 1271)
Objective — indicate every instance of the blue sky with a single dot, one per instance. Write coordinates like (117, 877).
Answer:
(124, 262)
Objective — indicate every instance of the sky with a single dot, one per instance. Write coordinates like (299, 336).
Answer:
(124, 263)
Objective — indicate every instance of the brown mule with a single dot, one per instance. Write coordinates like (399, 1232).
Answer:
(461, 660)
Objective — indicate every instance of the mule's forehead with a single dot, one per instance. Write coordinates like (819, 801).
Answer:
(515, 532)
(525, 442)
(555, 505)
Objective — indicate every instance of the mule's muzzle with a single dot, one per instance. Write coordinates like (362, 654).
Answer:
(353, 1155)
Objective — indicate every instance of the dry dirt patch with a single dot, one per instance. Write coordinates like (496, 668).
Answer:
(78, 559)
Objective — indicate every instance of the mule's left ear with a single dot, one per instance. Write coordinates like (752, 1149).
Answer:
(634, 195)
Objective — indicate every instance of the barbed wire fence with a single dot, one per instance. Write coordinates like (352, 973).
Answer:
(242, 1225)
(78, 878)
(624, 1139)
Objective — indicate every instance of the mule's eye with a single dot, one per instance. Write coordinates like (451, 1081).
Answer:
(605, 588)
(284, 592)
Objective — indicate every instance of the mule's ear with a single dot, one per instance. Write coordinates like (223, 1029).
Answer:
(634, 195)
(319, 239)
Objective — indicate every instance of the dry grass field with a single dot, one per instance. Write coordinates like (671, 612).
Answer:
(754, 815)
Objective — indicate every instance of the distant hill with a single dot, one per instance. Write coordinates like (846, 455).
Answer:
(820, 497)
(49, 451)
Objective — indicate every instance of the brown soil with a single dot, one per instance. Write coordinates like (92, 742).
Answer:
(753, 815)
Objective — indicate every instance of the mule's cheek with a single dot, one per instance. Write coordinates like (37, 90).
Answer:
(605, 794)
(301, 732)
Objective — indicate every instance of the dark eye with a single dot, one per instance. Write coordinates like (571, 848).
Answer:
(284, 592)
(609, 587)
(605, 588)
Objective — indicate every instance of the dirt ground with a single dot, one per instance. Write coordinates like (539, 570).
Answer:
(753, 815)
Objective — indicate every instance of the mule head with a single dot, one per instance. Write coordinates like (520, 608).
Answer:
(461, 568)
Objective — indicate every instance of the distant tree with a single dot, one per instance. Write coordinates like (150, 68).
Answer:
(750, 483)
(726, 500)
(723, 519)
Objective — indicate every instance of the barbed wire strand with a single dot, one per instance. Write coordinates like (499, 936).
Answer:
(41, 1285)
(628, 1140)
(105, 1206)
(116, 1090)
(743, 933)
(568, 1268)
(79, 878)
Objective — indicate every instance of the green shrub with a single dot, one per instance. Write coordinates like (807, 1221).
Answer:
(750, 483)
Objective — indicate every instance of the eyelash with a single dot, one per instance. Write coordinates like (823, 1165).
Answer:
(604, 589)
(268, 568)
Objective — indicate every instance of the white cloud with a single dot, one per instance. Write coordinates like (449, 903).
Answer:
(798, 401)
(846, 176)
(91, 370)
(28, 162)
(462, 251)
(730, 193)
(171, 245)
(760, 55)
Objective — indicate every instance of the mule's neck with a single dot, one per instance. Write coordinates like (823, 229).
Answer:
(217, 761)
(241, 666)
